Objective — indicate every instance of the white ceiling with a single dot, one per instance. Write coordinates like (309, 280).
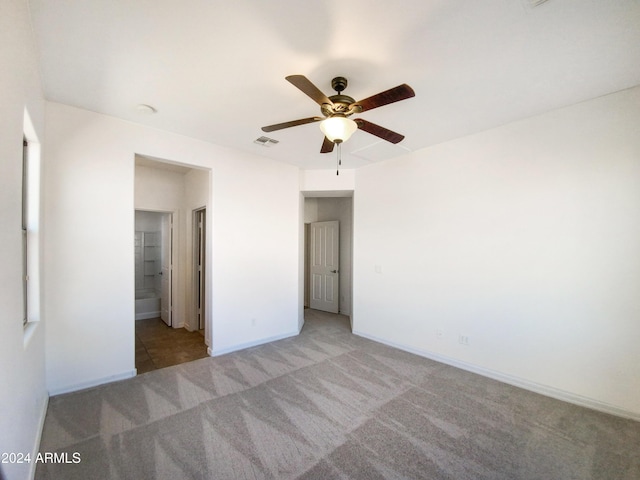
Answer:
(215, 70)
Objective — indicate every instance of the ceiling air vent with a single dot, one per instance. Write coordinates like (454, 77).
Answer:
(265, 141)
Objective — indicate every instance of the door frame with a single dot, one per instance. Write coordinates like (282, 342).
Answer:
(167, 235)
(199, 290)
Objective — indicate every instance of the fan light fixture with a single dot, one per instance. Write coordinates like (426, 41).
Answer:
(338, 129)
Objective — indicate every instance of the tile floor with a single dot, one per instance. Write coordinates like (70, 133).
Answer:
(160, 346)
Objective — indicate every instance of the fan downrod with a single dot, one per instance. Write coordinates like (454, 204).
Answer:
(339, 84)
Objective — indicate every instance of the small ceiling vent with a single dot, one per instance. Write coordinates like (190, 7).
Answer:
(265, 141)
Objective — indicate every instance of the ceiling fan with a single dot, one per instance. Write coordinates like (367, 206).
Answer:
(336, 109)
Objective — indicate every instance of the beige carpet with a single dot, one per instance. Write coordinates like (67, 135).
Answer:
(324, 405)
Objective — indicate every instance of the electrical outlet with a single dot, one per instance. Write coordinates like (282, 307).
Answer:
(440, 333)
(253, 322)
(463, 339)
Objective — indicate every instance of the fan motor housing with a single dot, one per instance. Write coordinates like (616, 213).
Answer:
(341, 104)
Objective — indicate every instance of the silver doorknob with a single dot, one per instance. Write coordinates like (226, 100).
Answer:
(334, 271)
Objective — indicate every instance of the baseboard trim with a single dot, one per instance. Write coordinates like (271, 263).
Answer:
(242, 346)
(546, 390)
(147, 315)
(93, 383)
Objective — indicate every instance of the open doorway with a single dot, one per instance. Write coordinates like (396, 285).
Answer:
(153, 242)
(174, 330)
(327, 277)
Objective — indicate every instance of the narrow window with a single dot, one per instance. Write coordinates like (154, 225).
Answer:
(25, 223)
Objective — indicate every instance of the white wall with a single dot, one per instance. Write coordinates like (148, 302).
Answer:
(89, 208)
(23, 396)
(310, 210)
(324, 182)
(158, 189)
(146, 221)
(255, 247)
(196, 196)
(526, 239)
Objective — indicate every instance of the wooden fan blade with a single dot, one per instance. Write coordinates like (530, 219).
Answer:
(401, 92)
(327, 146)
(293, 123)
(308, 88)
(378, 131)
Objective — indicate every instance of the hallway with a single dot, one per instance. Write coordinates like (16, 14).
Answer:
(160, 346)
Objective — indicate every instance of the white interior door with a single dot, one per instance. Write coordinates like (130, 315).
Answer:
(324, 266)
(166, 268)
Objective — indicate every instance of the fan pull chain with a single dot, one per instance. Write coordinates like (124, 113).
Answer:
(339, 160)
